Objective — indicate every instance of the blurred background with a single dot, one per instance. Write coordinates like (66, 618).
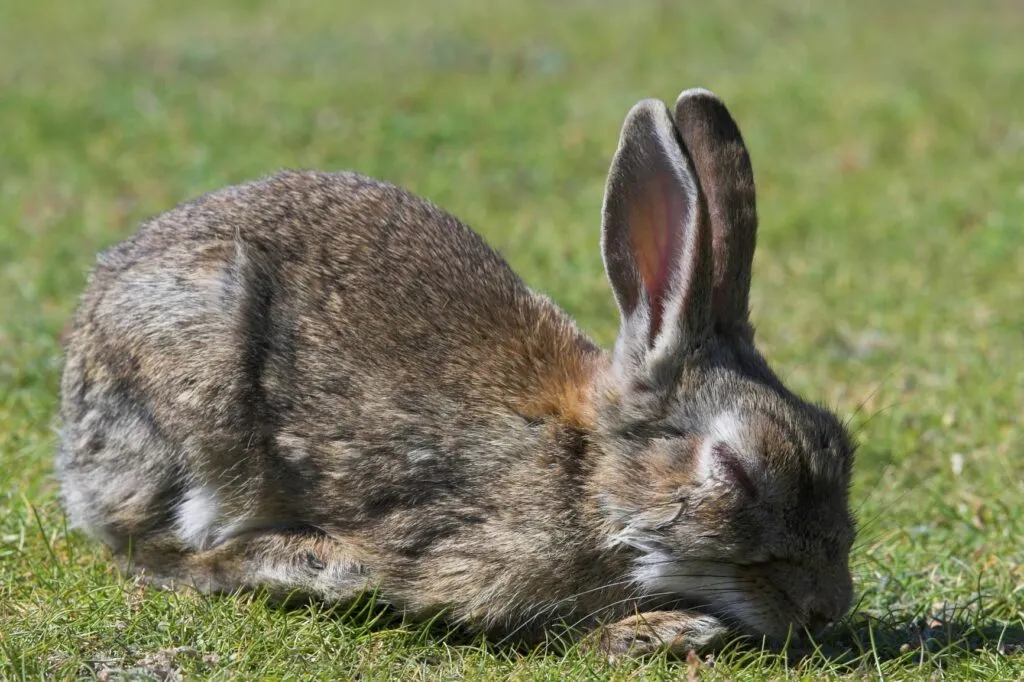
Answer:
(887, 138)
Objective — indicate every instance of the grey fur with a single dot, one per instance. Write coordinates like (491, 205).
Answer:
(319, 382)
(720, 156)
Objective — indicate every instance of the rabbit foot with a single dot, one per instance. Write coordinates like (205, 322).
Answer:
(285, 563)
(678, 632)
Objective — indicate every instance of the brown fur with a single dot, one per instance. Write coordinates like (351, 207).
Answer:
(319, 382)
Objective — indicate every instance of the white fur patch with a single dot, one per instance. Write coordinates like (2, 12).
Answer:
(654, 569)
(197, 516)
(420, 455)
(728, 429)
(708, 584)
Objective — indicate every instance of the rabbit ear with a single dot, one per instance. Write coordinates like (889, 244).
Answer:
(722, 163)
(656, 247)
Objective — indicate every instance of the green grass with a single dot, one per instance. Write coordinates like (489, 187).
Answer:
(888, 142)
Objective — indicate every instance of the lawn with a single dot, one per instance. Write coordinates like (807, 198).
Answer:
(888, 144)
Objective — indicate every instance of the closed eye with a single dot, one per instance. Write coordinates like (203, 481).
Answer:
(734, 469)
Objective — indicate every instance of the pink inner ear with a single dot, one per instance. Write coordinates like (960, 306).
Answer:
(656, 232)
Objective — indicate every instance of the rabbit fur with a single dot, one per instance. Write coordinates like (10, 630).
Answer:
(320, 383)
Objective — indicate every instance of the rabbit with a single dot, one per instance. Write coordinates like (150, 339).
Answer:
(319, 384)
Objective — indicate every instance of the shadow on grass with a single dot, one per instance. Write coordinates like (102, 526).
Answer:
(861, 641)
(864, 638)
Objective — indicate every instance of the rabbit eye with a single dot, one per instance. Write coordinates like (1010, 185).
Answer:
(734, 469)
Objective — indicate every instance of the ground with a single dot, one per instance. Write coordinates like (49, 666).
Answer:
(888, 144)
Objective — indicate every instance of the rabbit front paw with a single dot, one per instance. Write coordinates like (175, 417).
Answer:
(678, 632)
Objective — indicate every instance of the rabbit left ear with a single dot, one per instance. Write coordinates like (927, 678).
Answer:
(656, 248)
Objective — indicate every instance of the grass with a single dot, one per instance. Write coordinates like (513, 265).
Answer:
(888, 144)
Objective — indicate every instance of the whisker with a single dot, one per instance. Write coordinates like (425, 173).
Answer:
(685, 561)
(612, 605)
(876, 389)
(718, 587)
(881, 410)
(551, 608)
(866, 526)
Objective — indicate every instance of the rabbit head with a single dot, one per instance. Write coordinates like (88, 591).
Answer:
(730, 489)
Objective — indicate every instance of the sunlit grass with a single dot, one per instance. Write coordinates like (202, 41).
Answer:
(888, 144)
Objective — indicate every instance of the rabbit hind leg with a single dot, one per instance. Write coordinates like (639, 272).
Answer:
(285, 563)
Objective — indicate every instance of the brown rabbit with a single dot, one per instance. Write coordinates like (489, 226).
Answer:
(321, 383)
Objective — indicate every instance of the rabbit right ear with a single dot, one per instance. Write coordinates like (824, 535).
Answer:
(722, 163)
(656, 246)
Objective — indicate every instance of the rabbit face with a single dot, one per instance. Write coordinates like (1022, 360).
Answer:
(743, 514)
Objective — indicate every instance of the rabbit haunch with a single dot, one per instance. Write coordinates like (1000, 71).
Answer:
(320, 383)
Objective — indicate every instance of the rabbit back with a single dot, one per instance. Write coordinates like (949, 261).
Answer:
(318, 349)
